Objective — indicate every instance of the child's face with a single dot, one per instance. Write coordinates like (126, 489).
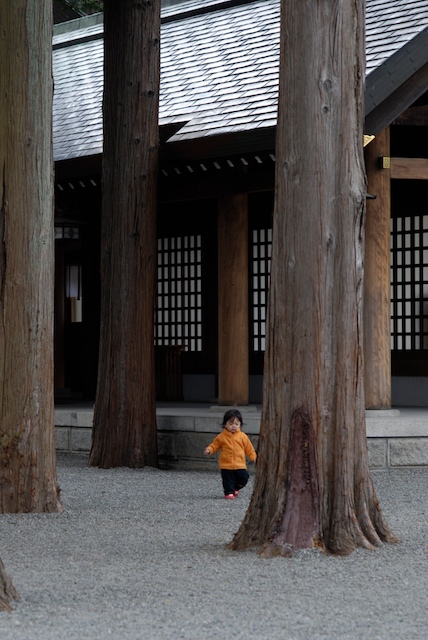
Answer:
(232, 425)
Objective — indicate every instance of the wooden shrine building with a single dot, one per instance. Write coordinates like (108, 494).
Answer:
(219, 82)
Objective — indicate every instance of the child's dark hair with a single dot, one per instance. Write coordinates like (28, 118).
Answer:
(232, 413)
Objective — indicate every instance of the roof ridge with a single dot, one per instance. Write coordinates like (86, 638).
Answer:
(78, 23)
(175, 13)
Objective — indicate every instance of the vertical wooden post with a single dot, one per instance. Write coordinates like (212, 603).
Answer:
(233, 300)
(377, 332)
(59, 319)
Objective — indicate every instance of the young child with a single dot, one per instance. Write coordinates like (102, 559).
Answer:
(234, 445)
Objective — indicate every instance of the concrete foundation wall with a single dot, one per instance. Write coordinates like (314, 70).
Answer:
(395, 439)
(409, 391)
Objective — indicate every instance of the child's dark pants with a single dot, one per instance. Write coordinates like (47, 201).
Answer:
(234, 479)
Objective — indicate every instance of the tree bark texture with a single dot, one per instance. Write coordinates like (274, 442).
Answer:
(312, 486)
(28, 481)
(7, 590)
(124, 431)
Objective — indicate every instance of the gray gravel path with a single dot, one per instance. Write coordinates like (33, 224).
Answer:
(140, 554)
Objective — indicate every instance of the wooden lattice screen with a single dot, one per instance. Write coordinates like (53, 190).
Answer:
(178, 322)
(259, 285)
(409, 283)
(179, 293)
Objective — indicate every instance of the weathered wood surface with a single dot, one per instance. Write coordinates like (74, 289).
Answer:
(409, 168)
(377, 278)
(125, 412)
(313, 361)
(28, 480)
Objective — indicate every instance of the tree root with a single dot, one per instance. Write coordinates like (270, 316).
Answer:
(7, 590)
(272, 550)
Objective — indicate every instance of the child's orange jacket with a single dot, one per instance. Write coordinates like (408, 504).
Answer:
(234, 447)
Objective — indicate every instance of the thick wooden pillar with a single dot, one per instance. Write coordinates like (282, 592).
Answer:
(377, 331)
(233, 300)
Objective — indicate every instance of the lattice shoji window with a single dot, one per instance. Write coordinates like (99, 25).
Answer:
(260, 270)
(409, 283)
(179, 293)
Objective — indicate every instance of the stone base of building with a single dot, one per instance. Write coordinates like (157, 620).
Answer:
(396, 438)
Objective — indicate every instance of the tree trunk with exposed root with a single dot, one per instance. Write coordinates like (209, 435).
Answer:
(28, 480)
(124, 432)
(313, 487)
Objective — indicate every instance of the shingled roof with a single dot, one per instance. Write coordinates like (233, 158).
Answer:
(219, 68)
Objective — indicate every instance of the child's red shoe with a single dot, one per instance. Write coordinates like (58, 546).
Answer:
(229, 496)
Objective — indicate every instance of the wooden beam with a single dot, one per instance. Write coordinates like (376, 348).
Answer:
(397, 102)
(213, 184)
(414, 116)
(409, 168)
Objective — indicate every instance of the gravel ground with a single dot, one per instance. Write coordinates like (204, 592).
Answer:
(140, 554)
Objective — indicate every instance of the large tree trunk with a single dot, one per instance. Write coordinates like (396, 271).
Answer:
(125, 410)
(28, 481)
(313, 487)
